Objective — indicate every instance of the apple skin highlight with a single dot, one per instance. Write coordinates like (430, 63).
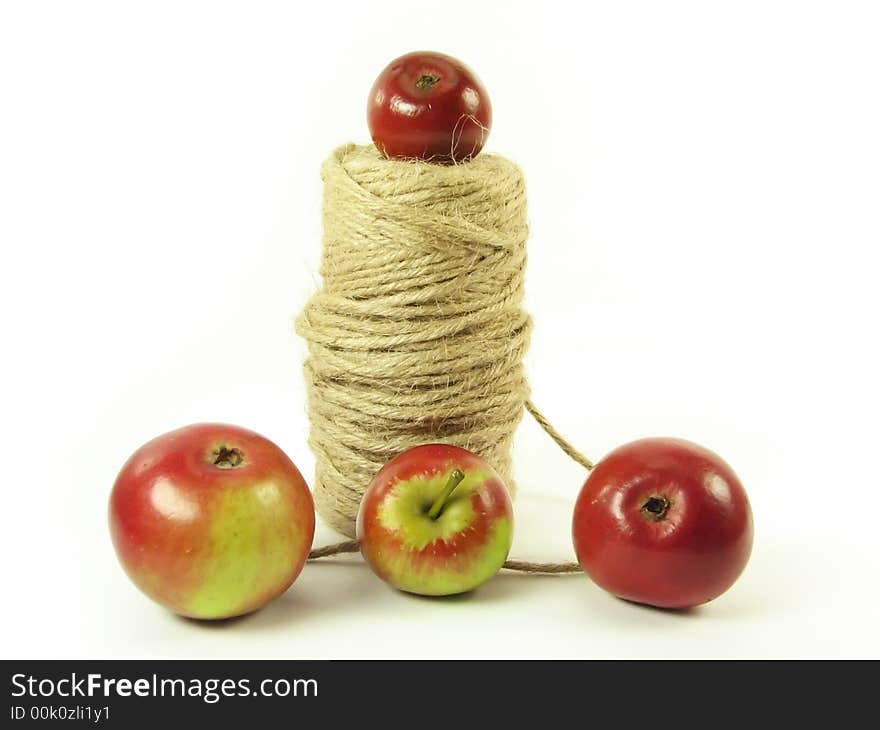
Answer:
(458, 551)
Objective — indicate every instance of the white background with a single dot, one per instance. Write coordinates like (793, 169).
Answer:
(704, 181)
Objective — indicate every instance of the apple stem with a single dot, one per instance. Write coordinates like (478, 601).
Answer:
(228, 458)
(655, 508)
(427, 81)
(455, 478)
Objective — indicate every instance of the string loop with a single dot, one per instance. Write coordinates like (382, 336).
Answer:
(417, 334)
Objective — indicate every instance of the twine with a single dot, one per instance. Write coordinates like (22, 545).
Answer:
(418, 334)
(523, 566)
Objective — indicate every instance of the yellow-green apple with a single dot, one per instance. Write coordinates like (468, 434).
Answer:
(435, 520)
(211, 520)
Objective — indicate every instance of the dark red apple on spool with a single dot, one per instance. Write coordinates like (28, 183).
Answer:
(663, 522)
(429, 106)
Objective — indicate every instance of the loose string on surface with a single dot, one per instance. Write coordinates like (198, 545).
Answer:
(417, 334)
(523, 566)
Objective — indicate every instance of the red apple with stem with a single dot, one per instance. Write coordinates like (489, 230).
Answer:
(429, 106)
(211, 520)
(663, 522)
(435, 520)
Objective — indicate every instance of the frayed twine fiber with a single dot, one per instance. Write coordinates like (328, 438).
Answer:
(417, 335)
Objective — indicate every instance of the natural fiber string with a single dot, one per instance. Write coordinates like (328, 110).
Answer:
(418, 334)
(570, 450)
(523, 566)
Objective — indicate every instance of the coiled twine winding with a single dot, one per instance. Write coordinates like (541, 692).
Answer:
(418, 334)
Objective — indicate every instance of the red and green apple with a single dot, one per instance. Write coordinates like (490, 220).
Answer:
(435, 520)
(211, 520)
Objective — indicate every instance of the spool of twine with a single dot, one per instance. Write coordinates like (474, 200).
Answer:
(418, 333)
